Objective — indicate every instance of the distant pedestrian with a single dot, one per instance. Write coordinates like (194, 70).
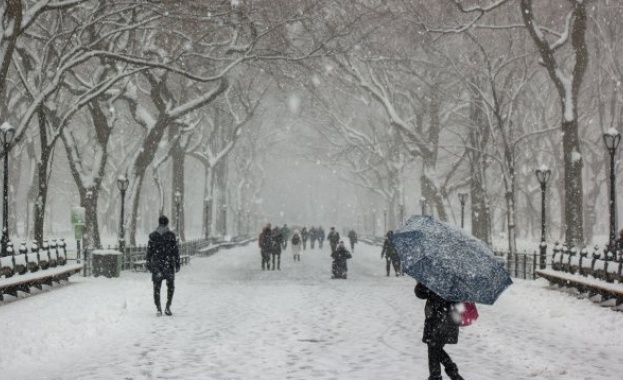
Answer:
(163, 261)
(304, 236)
(285, 233)
(296, 245)
(391, 255)
(320, 235)
(266, 244)
(339, 266)
(352, 237)
(277, 240)
(313, 236)
(334, 238)
(439, 329)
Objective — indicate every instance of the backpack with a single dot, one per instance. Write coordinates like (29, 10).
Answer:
(296, 239)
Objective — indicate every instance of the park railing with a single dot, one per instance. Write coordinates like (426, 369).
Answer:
(133, 257)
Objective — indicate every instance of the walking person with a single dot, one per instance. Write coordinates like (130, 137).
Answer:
(285, 233)
(265, 242)
(304, 236)
(439, 329)
(277, 240)
(352, 237)
(391, 255)
(313, 236)
(334, 238)
(296, 245)
(163, 261)
(320, 236)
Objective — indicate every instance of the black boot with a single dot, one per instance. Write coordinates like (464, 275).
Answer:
(453, 372)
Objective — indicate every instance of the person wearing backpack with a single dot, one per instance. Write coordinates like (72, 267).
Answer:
(296, 245)
(440, 328)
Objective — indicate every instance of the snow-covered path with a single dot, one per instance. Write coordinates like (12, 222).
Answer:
(233, 321)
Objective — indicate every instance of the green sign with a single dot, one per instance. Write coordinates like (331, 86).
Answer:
(78, 215)
(78, 231)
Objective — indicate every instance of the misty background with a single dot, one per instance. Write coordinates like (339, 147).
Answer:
(354, 114)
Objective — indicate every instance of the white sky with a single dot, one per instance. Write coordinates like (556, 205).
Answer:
(234, 321)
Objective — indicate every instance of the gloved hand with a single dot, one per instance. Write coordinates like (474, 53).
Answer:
(177, 268)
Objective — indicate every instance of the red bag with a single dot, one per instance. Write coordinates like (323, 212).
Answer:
(468, 313)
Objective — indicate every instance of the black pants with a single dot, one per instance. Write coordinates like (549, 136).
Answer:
(277, 260)
(265, 260)
(438, 356)
(170, 290)
(396, 264)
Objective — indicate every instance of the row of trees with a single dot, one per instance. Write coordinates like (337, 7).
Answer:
(470, 95)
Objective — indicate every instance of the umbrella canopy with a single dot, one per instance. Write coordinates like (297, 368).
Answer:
(449, 261)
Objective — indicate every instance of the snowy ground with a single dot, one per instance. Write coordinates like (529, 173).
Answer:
(234, 321)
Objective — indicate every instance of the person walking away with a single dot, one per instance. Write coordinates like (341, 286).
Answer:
(352, 236)
(285, 233)
(334, 238)
(313, 235)
(296, 245)
(391, 255)
(277, 240)
(320, 235)
(439, 329)
(265, 242)
(339, 256)
(163, 261)
(304, 236)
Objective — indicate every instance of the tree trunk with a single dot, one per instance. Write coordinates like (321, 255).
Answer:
(574, 229)
(177, 183)
(88, 200)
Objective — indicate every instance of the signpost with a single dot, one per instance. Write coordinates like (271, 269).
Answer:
(78, 217)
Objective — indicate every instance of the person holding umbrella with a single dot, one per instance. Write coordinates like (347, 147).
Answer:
(439, 329)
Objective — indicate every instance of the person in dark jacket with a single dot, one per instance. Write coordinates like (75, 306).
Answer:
(352, 237)
(163, 261)
(285, 234)
(334, 238)
(339, 256)
(277, 241)
(391, 255)
(265, 242)
(304, 236)
(439, 329)
(313, 236)
(320, 236)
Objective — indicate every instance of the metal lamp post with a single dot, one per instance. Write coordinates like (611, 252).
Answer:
(178, 201)
(462, 199)
(543, 174)
(612, 138)
(423, 204)
(122, 184)
(384, 220)
(7, 132)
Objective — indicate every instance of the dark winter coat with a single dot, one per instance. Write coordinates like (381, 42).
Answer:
(304, 234)
(352, 236)
(285, 232)
(313, 234)
(389, 250)
(277, 241)
(320, 234)
(163, 256)
(266, 240)
(340, 256)
(439, 326)
(333, 237)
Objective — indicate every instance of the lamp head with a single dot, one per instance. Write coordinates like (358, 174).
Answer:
(123, 182)
(543, 174)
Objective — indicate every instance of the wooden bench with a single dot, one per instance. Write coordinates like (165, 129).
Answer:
(23, 270)
(185, 259)
(592, 277)
(139, 266)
